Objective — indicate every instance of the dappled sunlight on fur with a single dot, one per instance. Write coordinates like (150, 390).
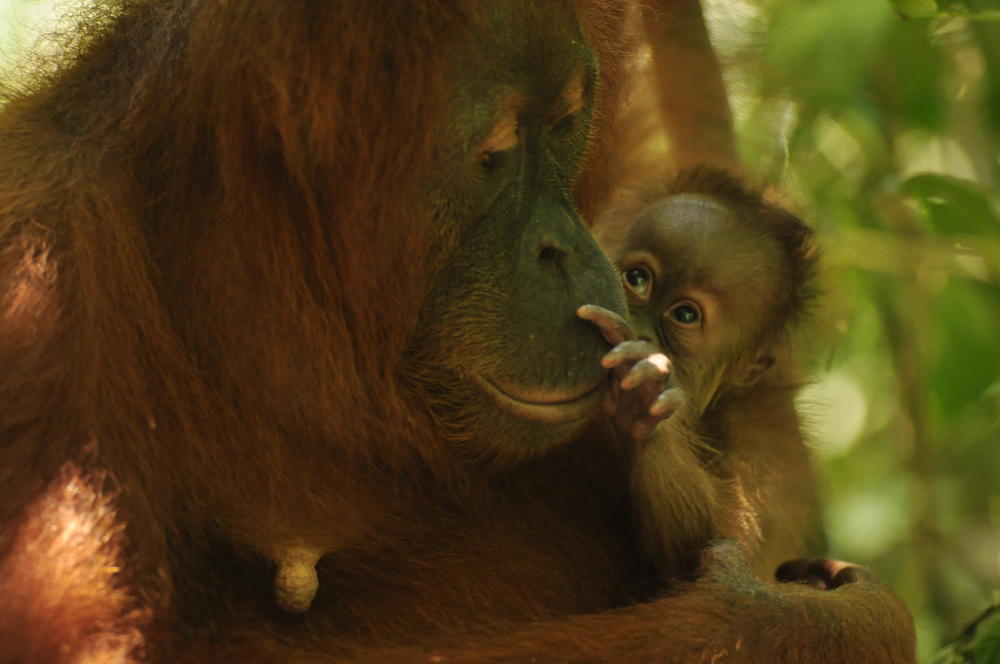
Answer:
(255, 255)
(64, 591)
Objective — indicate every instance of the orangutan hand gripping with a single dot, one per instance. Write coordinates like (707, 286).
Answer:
(639, 395)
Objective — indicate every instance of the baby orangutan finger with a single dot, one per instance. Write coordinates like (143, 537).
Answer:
(822, 573)
(803, 570)
(851, 574)
(652, 368)
(667, 403)
(628, 352)
(612, 326)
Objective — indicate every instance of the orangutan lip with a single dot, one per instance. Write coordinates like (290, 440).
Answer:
(551, 406)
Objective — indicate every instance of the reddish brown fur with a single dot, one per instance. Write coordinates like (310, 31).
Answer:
(63, 568)
(187, 309)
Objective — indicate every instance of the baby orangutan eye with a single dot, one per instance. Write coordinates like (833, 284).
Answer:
(685, 314)
(491, 161)
(638, 280)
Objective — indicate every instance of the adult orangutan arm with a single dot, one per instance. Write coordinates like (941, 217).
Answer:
(727, 616)
(688, 78)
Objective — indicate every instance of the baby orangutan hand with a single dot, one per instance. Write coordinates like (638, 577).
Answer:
(639, 393)
(822, 573)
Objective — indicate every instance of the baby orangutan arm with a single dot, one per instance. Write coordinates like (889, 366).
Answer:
(676, 519)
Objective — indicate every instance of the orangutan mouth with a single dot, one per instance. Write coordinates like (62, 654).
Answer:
(551, 405)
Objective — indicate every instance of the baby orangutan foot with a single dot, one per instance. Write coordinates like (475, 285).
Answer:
(295, 582)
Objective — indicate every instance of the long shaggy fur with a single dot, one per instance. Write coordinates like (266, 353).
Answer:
(200, 362)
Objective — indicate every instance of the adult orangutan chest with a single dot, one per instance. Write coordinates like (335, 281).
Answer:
(516, 560)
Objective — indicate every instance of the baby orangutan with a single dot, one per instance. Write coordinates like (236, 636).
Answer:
(716, 279)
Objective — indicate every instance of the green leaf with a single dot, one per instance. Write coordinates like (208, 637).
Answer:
(964, 360)
(916, 89)
(954, 205)
(988, 641)
(916, 8)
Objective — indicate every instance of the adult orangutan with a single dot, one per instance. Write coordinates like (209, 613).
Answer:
(284, 277)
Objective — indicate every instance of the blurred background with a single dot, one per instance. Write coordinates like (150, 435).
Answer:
(879, 121)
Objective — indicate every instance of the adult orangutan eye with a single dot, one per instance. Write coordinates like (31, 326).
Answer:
(685, 314)
(564, 124)
(639, 280)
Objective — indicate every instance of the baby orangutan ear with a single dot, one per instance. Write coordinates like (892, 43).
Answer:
(752, 373)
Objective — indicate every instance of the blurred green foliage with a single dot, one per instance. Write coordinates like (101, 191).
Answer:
(879, 120)
(979, 643)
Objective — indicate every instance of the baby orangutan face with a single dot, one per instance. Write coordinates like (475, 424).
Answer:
(716, 278)
(701, 283)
